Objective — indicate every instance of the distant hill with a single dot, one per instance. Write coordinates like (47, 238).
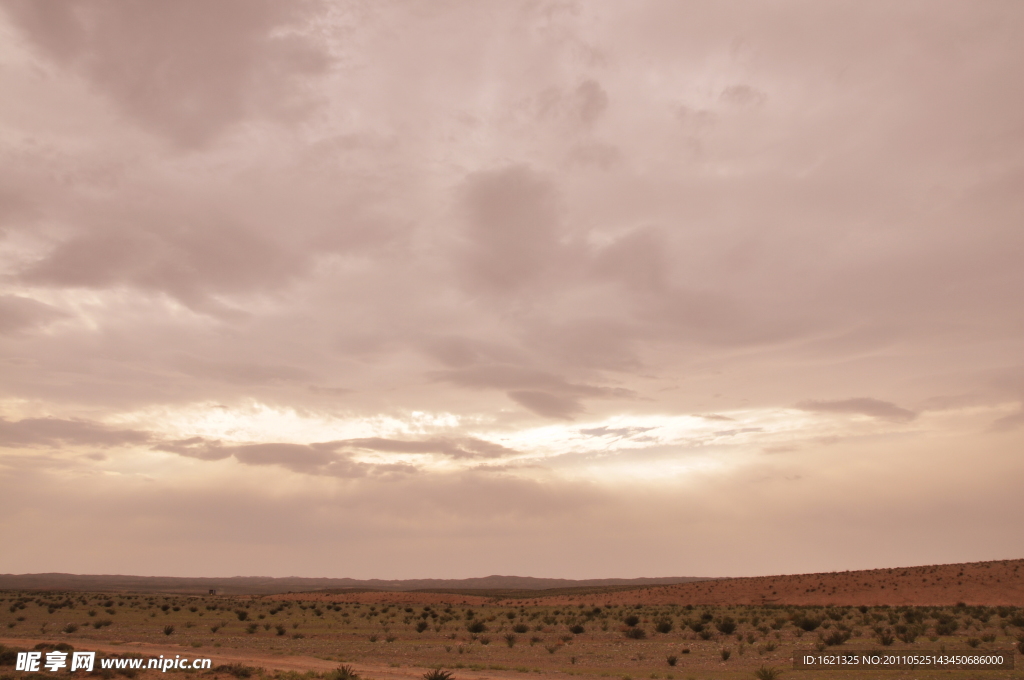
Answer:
(993, 583)
(265, 585)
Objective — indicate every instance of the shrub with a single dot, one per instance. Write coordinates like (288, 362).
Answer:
(767, 673)
(636, 633)
(476, 627)
(577, 629)
(345, 673)
(671, 659)
(236, 669)
(726, 653)
(438, 674)
(510, 640)
(705, 634)
(973, 642)
(806, 623)
(664, 626)
(168, 630)
(70, 628)
(885, 637)
(521, 628)
(421, 626)
(485, 640)
(280, 629)
(252, 628)
(631, 620)
(726, 626)
(836, 637)
(241, 614)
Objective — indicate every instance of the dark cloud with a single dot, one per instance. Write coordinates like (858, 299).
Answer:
(1008, 423)
(240, 373)
(457, 447)
(313, 459)
(332, 458)
(543, 393)
(512, 223)
(186, 69)
(547, 404)
(606, 431)
(30, 432)
(861, 406)
(190, 260)
(22, 314)
(591, 100)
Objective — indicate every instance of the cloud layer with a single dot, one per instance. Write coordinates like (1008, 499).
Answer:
(516, 264)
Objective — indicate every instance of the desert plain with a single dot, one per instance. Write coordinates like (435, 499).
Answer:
(718, 629)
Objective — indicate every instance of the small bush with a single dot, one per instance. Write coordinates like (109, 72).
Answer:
(521, 628)
(236, 669)
(767, 673)
(510, 640)
(973, 642)
(671, 659)
(421, 626)
(577, 629)
(345, 673)
(168, 630)
(636, 633)
(726, 653)
(252, 628)
(438, 674)
(836, 637)
(664, 626)
(886, 638)
(726, 626)
(476, 627)
(631, 620)
(280, 629)
(70, 628)
(241, 614)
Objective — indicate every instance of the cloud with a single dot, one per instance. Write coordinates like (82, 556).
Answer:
(334, 458)
(860, 406)
(31, 432)
(512, 222)
(1008, 423)
(189, 260)
(543, 393)
(456, 447)
(187, 69)
(19, 314)
(606, 431)
(312, 459)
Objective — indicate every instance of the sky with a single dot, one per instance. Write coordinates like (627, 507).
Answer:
(552, 288)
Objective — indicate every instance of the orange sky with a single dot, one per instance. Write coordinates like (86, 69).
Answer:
(550, 288)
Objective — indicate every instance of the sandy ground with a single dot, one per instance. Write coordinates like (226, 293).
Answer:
(267, 661)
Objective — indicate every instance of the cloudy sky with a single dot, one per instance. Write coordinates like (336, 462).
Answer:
(551, 288)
